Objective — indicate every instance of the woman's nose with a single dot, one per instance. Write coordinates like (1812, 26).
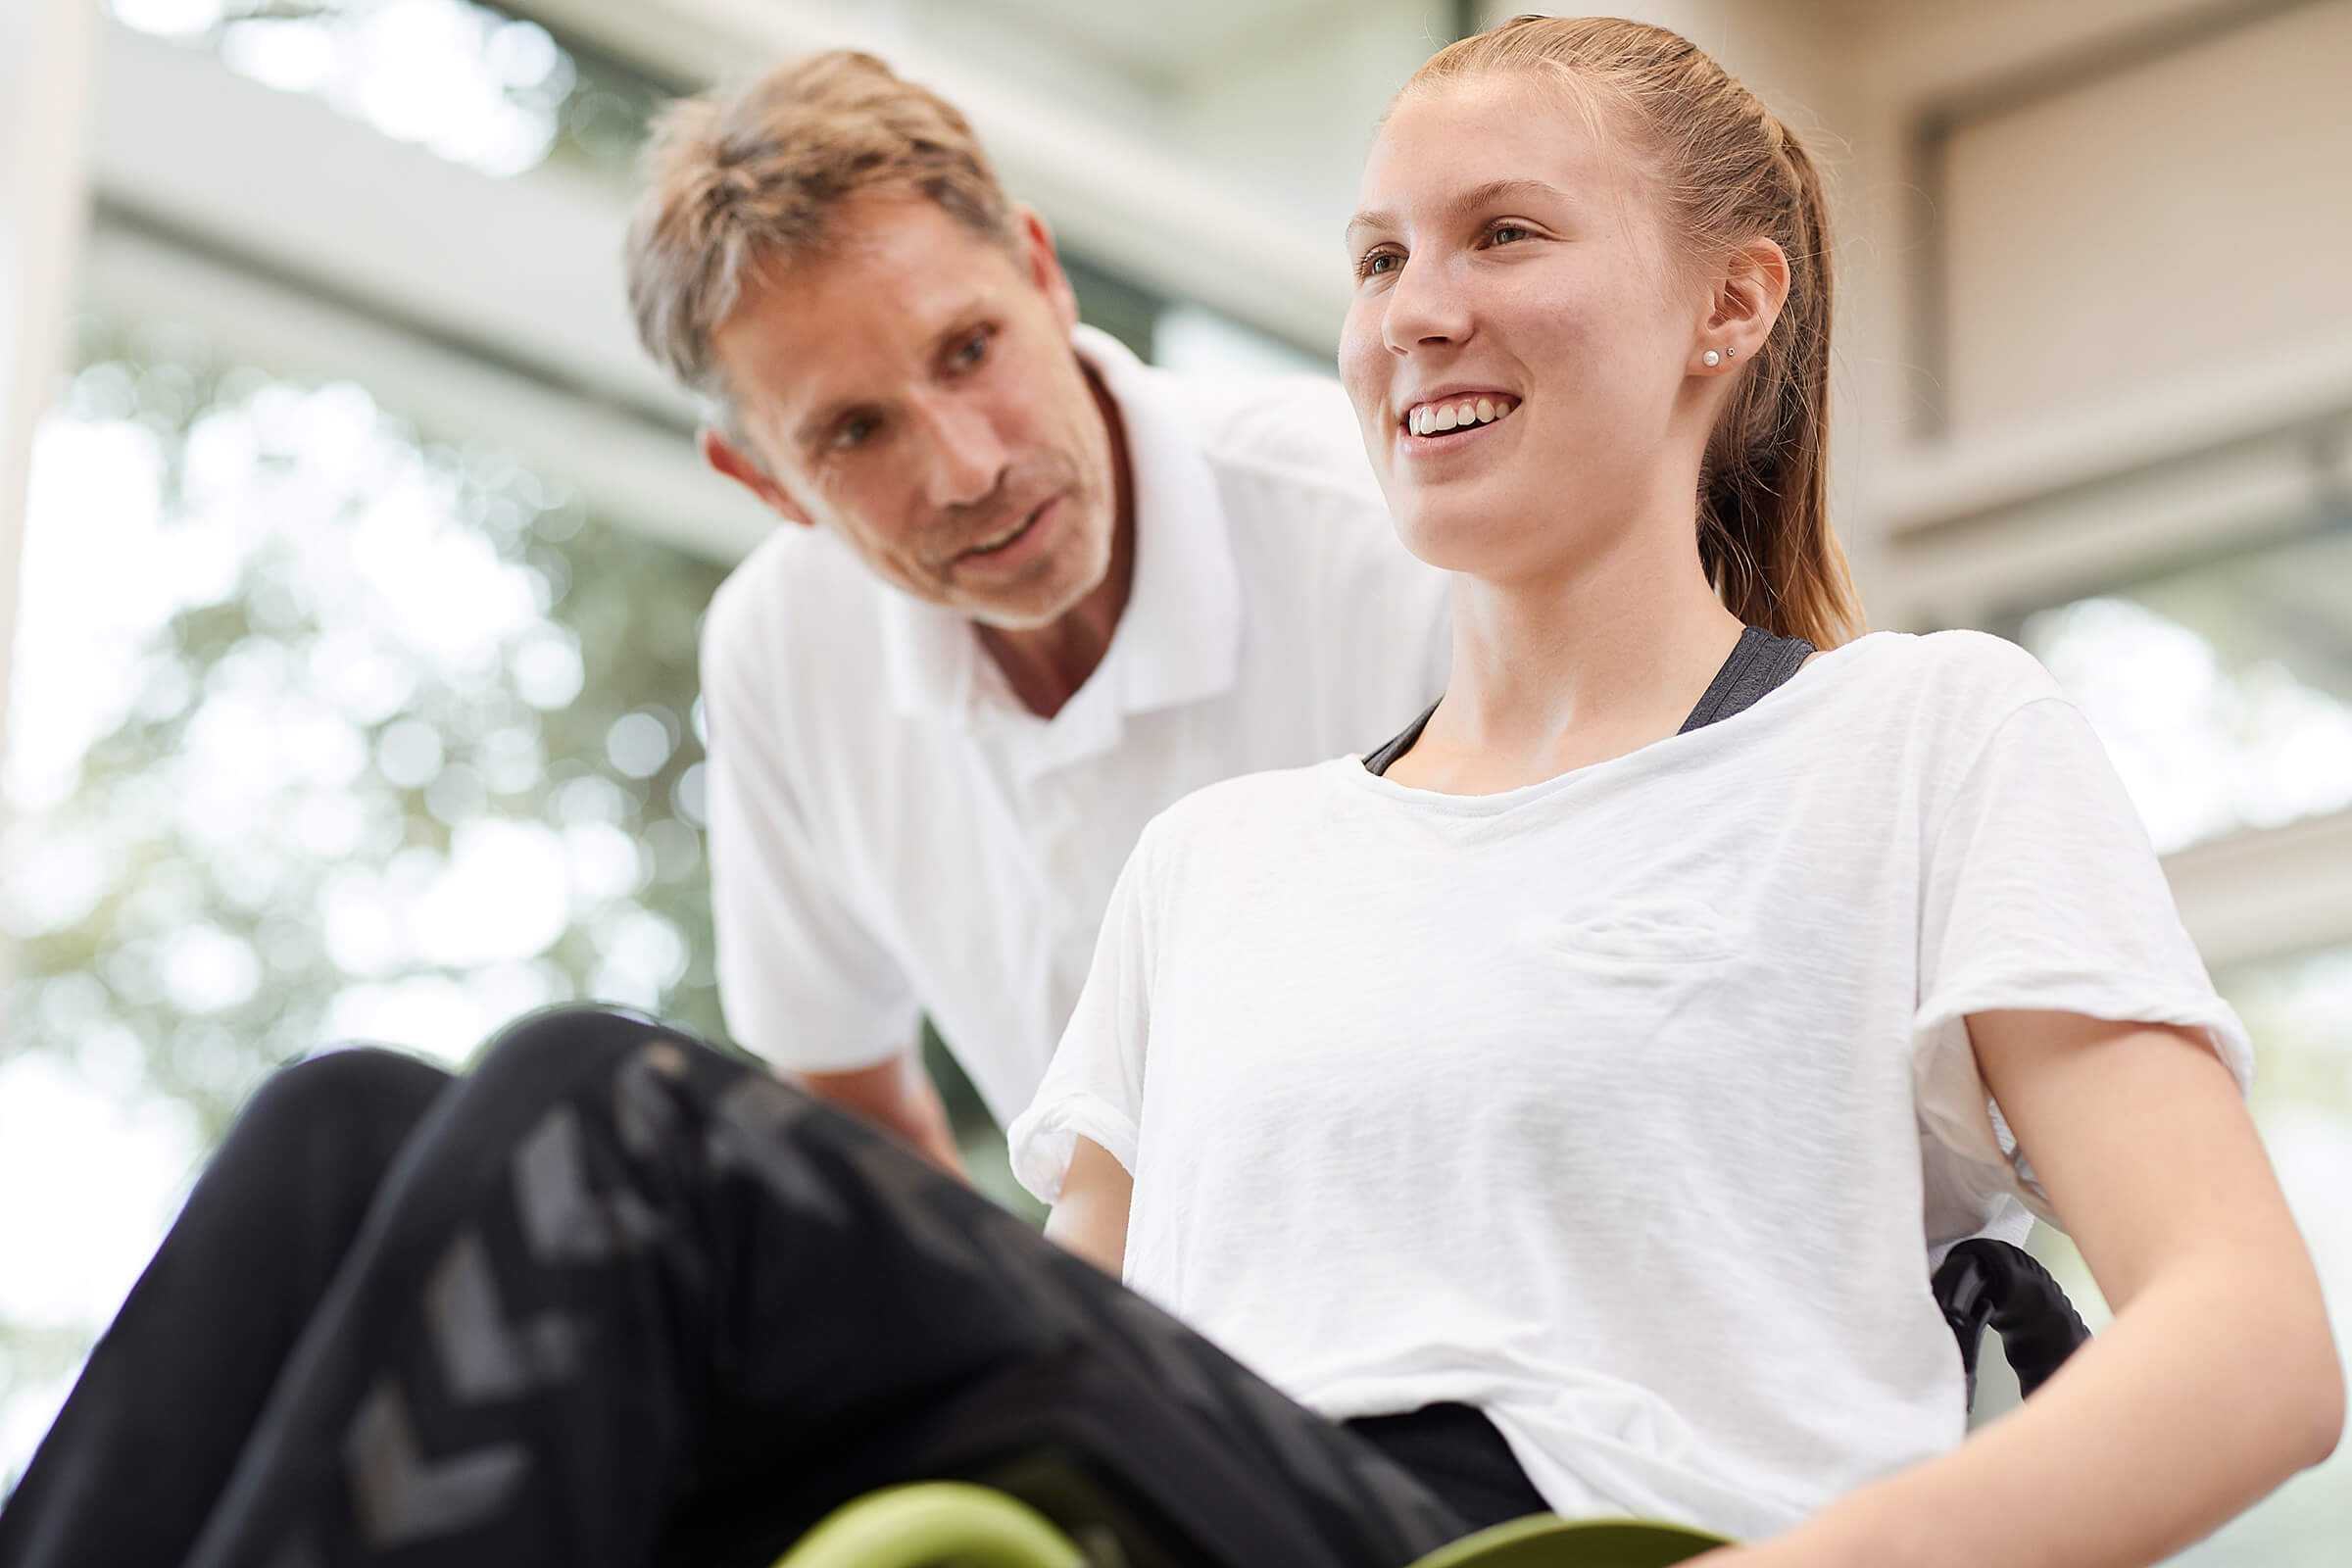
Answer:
(1425, 307)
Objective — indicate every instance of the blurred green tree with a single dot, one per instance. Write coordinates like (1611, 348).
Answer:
(325, 727)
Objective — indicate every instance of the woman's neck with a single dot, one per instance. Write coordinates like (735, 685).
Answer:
(1559, 672)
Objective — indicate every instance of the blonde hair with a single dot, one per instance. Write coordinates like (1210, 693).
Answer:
(1728, 172)
(743, 181)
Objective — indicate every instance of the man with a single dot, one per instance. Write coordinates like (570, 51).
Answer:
(1029, 593)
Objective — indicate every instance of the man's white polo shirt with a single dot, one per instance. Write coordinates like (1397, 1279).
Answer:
(892, 833)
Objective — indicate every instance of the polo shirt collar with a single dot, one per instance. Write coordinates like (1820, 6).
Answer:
(1179, 639)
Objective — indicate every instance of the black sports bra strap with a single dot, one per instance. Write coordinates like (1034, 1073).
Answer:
(1760, 661)
(1399, 743)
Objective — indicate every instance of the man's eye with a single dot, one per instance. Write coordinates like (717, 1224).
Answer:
(1377, 263)
(851, 432)
(1503, 232)
(974, 350)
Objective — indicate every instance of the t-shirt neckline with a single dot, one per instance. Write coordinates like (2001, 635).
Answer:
(1714, 733)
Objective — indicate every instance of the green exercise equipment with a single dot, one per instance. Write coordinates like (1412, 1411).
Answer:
(932, 1523)
(1547, 1540)
(953, 1524)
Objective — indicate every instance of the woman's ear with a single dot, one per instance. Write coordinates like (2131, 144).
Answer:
(1749, 299)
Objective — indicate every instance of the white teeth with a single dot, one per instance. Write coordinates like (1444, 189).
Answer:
(1006, 537)
(1432, 418)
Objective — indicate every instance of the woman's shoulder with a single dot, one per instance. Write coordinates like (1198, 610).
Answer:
(1238, 821)
(1245, 807)
(1960, 675)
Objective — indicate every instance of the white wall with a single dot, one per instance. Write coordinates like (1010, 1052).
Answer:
(44, 117)
(2185, 215)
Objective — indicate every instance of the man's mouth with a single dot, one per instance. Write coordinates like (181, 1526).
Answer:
(997, 543)
(1441, 415)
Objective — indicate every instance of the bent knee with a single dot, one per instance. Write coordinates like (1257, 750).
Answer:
(353, 1098)
(550, 1046)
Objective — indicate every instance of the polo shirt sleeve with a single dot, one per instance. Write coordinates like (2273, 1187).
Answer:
(1093, 1088)
(2042, 891)
(803, 981)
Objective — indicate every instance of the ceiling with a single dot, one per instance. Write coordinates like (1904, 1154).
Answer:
(1155, 44)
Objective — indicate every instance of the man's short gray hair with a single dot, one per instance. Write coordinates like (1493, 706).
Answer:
(742, 182)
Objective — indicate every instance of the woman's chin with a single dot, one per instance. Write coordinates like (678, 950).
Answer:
(1462, 539)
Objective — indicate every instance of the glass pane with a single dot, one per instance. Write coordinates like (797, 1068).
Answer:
(2223, 691)
(469, 83)
(323, 729)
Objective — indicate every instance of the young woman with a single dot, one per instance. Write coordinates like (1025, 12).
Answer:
(1557, 1110)
(1594, 1066)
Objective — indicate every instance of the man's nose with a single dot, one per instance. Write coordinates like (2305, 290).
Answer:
(967, 458)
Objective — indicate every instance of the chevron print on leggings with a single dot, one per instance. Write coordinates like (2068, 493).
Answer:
(643, 1113)
(747, 1133)
(398, 1497)
(562, 1220)
(483, 1355)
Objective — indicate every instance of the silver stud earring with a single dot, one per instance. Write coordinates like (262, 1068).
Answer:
(1711, 358)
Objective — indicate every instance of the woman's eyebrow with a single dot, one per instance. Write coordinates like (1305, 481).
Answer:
(1493, 190)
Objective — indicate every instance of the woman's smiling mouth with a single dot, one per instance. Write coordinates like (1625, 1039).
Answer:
(1468, 411)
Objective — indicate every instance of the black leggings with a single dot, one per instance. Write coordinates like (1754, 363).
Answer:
(618, 1298)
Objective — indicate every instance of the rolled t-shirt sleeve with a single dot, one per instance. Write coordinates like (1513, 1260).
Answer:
(801, 978)
(1093, 1088)
(2042, 891)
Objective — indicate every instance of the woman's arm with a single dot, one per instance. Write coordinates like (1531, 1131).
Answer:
(2219, 1377)
(1090, 1218)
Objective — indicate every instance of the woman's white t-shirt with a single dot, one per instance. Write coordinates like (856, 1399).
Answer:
(1630, 1106)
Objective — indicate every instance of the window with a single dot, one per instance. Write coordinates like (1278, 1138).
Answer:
(2224, 688)
(325, 727)
(2299, 1012)
(470, 82)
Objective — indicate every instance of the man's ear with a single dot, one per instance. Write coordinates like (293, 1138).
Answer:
(742, 467)
(1043, 264)
(1748, 298)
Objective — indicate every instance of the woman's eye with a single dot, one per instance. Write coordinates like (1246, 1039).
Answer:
(851, 432)
(974, 350)
(1504, 233)
(1377, 263)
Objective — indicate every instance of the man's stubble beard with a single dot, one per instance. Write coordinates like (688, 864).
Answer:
(1003, 617)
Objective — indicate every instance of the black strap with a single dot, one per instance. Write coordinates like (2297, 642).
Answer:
(1985, 1283)
(1398, 744)
(1760, 660)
